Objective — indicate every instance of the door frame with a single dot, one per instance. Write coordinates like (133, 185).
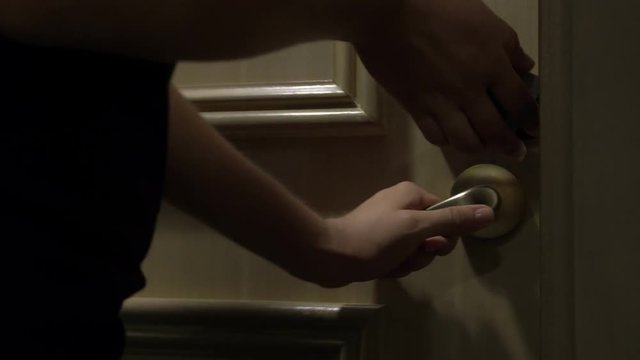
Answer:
(590, 142)
(556, 182)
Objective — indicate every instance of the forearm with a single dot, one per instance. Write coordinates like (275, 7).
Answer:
(211, 180)
(384, 236)
(178, 29)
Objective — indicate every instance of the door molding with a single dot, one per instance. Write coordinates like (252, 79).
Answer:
(249, 329)
(556, 182)
(342, 106)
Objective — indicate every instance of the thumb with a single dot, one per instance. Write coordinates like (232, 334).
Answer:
(456, 220)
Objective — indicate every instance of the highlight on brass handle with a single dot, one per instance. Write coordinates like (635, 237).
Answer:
(493, 186)
(476, 195)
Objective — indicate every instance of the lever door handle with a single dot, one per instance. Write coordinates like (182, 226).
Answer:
(495, 187)
(476, 195)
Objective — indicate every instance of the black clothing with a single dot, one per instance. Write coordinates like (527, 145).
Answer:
(82, 160)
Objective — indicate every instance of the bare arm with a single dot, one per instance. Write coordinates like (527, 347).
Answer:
(177, 29)
(388, 235)
(453, 64)
(210, 179)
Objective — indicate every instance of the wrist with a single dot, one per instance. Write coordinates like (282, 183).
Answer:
(320, 259)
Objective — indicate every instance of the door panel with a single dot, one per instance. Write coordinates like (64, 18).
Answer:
(306, 62)
(482, 301)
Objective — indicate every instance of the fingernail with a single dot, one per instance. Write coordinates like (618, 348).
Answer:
(484, 214)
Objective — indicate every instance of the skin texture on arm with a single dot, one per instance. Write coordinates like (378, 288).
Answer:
(453, 64)
(388, 235)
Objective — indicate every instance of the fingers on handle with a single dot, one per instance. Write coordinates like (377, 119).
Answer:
(426, 122)
(515, 101)
(451, 222)
(455, 124)
(493, 129)
(521, 62)
(409, 196)
(431, 130)
(439, 245)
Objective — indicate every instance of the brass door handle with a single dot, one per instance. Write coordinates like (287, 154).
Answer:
(493, 186)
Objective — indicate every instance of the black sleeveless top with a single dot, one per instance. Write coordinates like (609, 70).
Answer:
(82, 160)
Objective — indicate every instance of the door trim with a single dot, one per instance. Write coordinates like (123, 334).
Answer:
(556, 182)
(249, 329)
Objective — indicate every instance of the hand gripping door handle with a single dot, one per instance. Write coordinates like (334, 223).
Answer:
(495, 187)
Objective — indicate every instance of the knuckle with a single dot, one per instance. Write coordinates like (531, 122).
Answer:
(410, 223)
(471, 89)
(407, 187)
(473, 99)
(470, 96)
(457, 216)
(431, 131)
(468, 145)
(511, 38)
